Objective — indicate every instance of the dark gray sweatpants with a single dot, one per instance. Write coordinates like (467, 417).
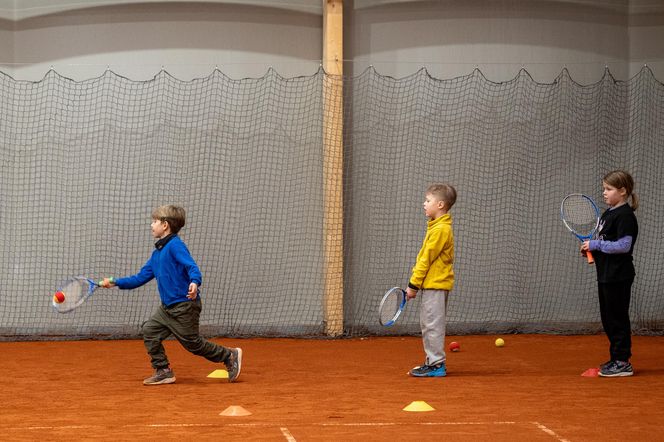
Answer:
(180, 320)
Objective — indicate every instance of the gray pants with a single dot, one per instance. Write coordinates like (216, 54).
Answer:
(433, 310)
(180, 320)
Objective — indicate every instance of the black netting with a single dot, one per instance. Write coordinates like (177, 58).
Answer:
(85, 162)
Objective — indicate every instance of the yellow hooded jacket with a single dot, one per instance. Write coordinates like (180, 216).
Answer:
(433, 269)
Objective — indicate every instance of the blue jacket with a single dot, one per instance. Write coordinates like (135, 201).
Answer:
(172, 265)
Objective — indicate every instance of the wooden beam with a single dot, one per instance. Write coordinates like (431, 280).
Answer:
(333, 36)
(333, 165)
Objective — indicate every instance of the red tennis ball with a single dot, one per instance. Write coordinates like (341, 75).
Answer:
(59, 297)
(454, 346)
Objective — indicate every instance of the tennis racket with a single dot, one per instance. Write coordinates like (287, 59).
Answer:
(393, 303)
(72, 293)
(581, 216)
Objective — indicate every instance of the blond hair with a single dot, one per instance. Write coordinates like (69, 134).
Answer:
(444, 192)
(621, 179)
(175, 216)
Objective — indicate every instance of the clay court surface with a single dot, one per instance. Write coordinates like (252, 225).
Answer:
(348, 389)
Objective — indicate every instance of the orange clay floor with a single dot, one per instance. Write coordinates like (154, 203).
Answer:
(330, 390)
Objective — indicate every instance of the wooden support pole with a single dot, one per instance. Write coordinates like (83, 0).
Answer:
(333, 125)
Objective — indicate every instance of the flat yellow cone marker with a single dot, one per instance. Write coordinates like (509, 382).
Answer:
(218, 374)
(235, 410)
(418, 406)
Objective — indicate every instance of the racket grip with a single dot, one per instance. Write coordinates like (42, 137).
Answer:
(110, 279)
(589, 256)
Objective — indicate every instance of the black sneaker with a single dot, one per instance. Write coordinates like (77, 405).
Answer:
(160, 376)
(234, 364)
(429, 371)
(604, 365)
(616, 369)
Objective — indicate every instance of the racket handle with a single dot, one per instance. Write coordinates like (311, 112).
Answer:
(110, 279)
(590, 258)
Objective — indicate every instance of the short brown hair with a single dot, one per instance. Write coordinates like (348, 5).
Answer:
(175, 216)
(621, 179)
(443, 192)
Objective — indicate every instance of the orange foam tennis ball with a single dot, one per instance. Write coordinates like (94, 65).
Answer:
(59, 297)
(454, 346)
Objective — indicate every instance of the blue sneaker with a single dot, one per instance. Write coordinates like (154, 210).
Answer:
(429, 371)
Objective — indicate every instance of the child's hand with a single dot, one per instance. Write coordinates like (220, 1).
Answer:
(585, 246)
(193, 291)
(410, 293)
(107, 283)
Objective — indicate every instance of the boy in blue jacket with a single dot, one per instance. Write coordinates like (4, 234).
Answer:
(178, 279)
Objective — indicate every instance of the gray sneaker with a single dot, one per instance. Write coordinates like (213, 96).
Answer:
(234, 364)
(160, 376)
(616, 369)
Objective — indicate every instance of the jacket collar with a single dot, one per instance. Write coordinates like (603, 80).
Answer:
(445, 219)
(163, 241)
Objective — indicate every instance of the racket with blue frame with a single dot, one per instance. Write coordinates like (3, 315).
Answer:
(580, 215)
(391, 306)
(73, 293)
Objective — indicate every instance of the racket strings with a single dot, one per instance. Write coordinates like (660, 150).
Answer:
(390, 307)
(580, 215)
(74, 292)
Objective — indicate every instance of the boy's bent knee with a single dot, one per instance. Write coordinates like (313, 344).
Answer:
(153, 330)
(193, 344)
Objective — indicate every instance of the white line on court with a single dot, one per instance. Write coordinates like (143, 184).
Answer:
(287, 434)
(284, 431)
(60, 427)
(550, 432)
(388, 424)
(261, 424)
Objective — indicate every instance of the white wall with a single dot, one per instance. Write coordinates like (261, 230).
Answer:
(451, 38)
(243, 39)
(6, 36)
(646, 41)
(188, 40)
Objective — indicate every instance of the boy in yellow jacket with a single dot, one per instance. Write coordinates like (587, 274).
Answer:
(433, 276)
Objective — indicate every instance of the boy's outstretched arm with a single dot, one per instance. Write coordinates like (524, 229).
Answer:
(145, 275)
